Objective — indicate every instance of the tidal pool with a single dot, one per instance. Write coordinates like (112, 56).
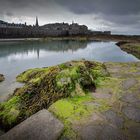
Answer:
(18, 56)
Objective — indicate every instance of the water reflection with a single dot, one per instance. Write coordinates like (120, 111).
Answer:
(9, 48)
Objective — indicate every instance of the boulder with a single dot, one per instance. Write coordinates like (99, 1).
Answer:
(40, 126)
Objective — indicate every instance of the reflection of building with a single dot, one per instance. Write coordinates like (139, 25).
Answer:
(7, 49)
(38, 53)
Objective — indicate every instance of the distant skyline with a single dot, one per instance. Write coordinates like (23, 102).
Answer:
(119, 16)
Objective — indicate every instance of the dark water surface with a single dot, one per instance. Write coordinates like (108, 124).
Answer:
(16, 57)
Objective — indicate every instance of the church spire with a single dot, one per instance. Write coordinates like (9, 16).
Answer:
(36, 22)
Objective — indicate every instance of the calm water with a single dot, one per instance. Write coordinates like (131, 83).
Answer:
(16, 57)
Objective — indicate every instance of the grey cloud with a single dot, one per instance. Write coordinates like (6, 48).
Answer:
(115, 7)
(10, 14)
(117, 11)
(113, 14)
(122, 19)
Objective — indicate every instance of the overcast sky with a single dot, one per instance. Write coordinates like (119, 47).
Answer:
(119, 16)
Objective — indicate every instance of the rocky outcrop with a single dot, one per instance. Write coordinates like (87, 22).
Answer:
(40, 126)
(1, 77)
(44, 86)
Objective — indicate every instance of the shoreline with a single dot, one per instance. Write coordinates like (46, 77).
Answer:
(130, 47)
(18, 39)
(127, 38)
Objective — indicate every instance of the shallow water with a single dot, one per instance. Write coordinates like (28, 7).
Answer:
(16, 57)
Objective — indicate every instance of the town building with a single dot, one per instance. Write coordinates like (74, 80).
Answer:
(12, 30)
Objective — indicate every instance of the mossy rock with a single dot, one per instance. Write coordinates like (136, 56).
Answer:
(2, 78)
(9, 112)
(71, 109)
(44, 86)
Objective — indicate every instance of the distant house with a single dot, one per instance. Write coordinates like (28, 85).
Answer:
(65, 29)
(4, 24)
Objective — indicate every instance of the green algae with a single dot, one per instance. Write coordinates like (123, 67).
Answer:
(71, 109)
(45, 86)
(31, 74)
(9, 111)
(76, 109)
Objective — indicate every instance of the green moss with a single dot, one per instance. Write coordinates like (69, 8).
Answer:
(70, 110)
(98, 76)
(36, 80)
(104, 105)
(32, 74)
(78, 91)
(76, 109)
(63, 66)
(69, 77)
(68, 132)
(9, 111)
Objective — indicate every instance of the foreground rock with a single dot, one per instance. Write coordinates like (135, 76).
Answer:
(100, 132)
(1, 77)
(44, 86)
(132, 113)
(40, 126)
